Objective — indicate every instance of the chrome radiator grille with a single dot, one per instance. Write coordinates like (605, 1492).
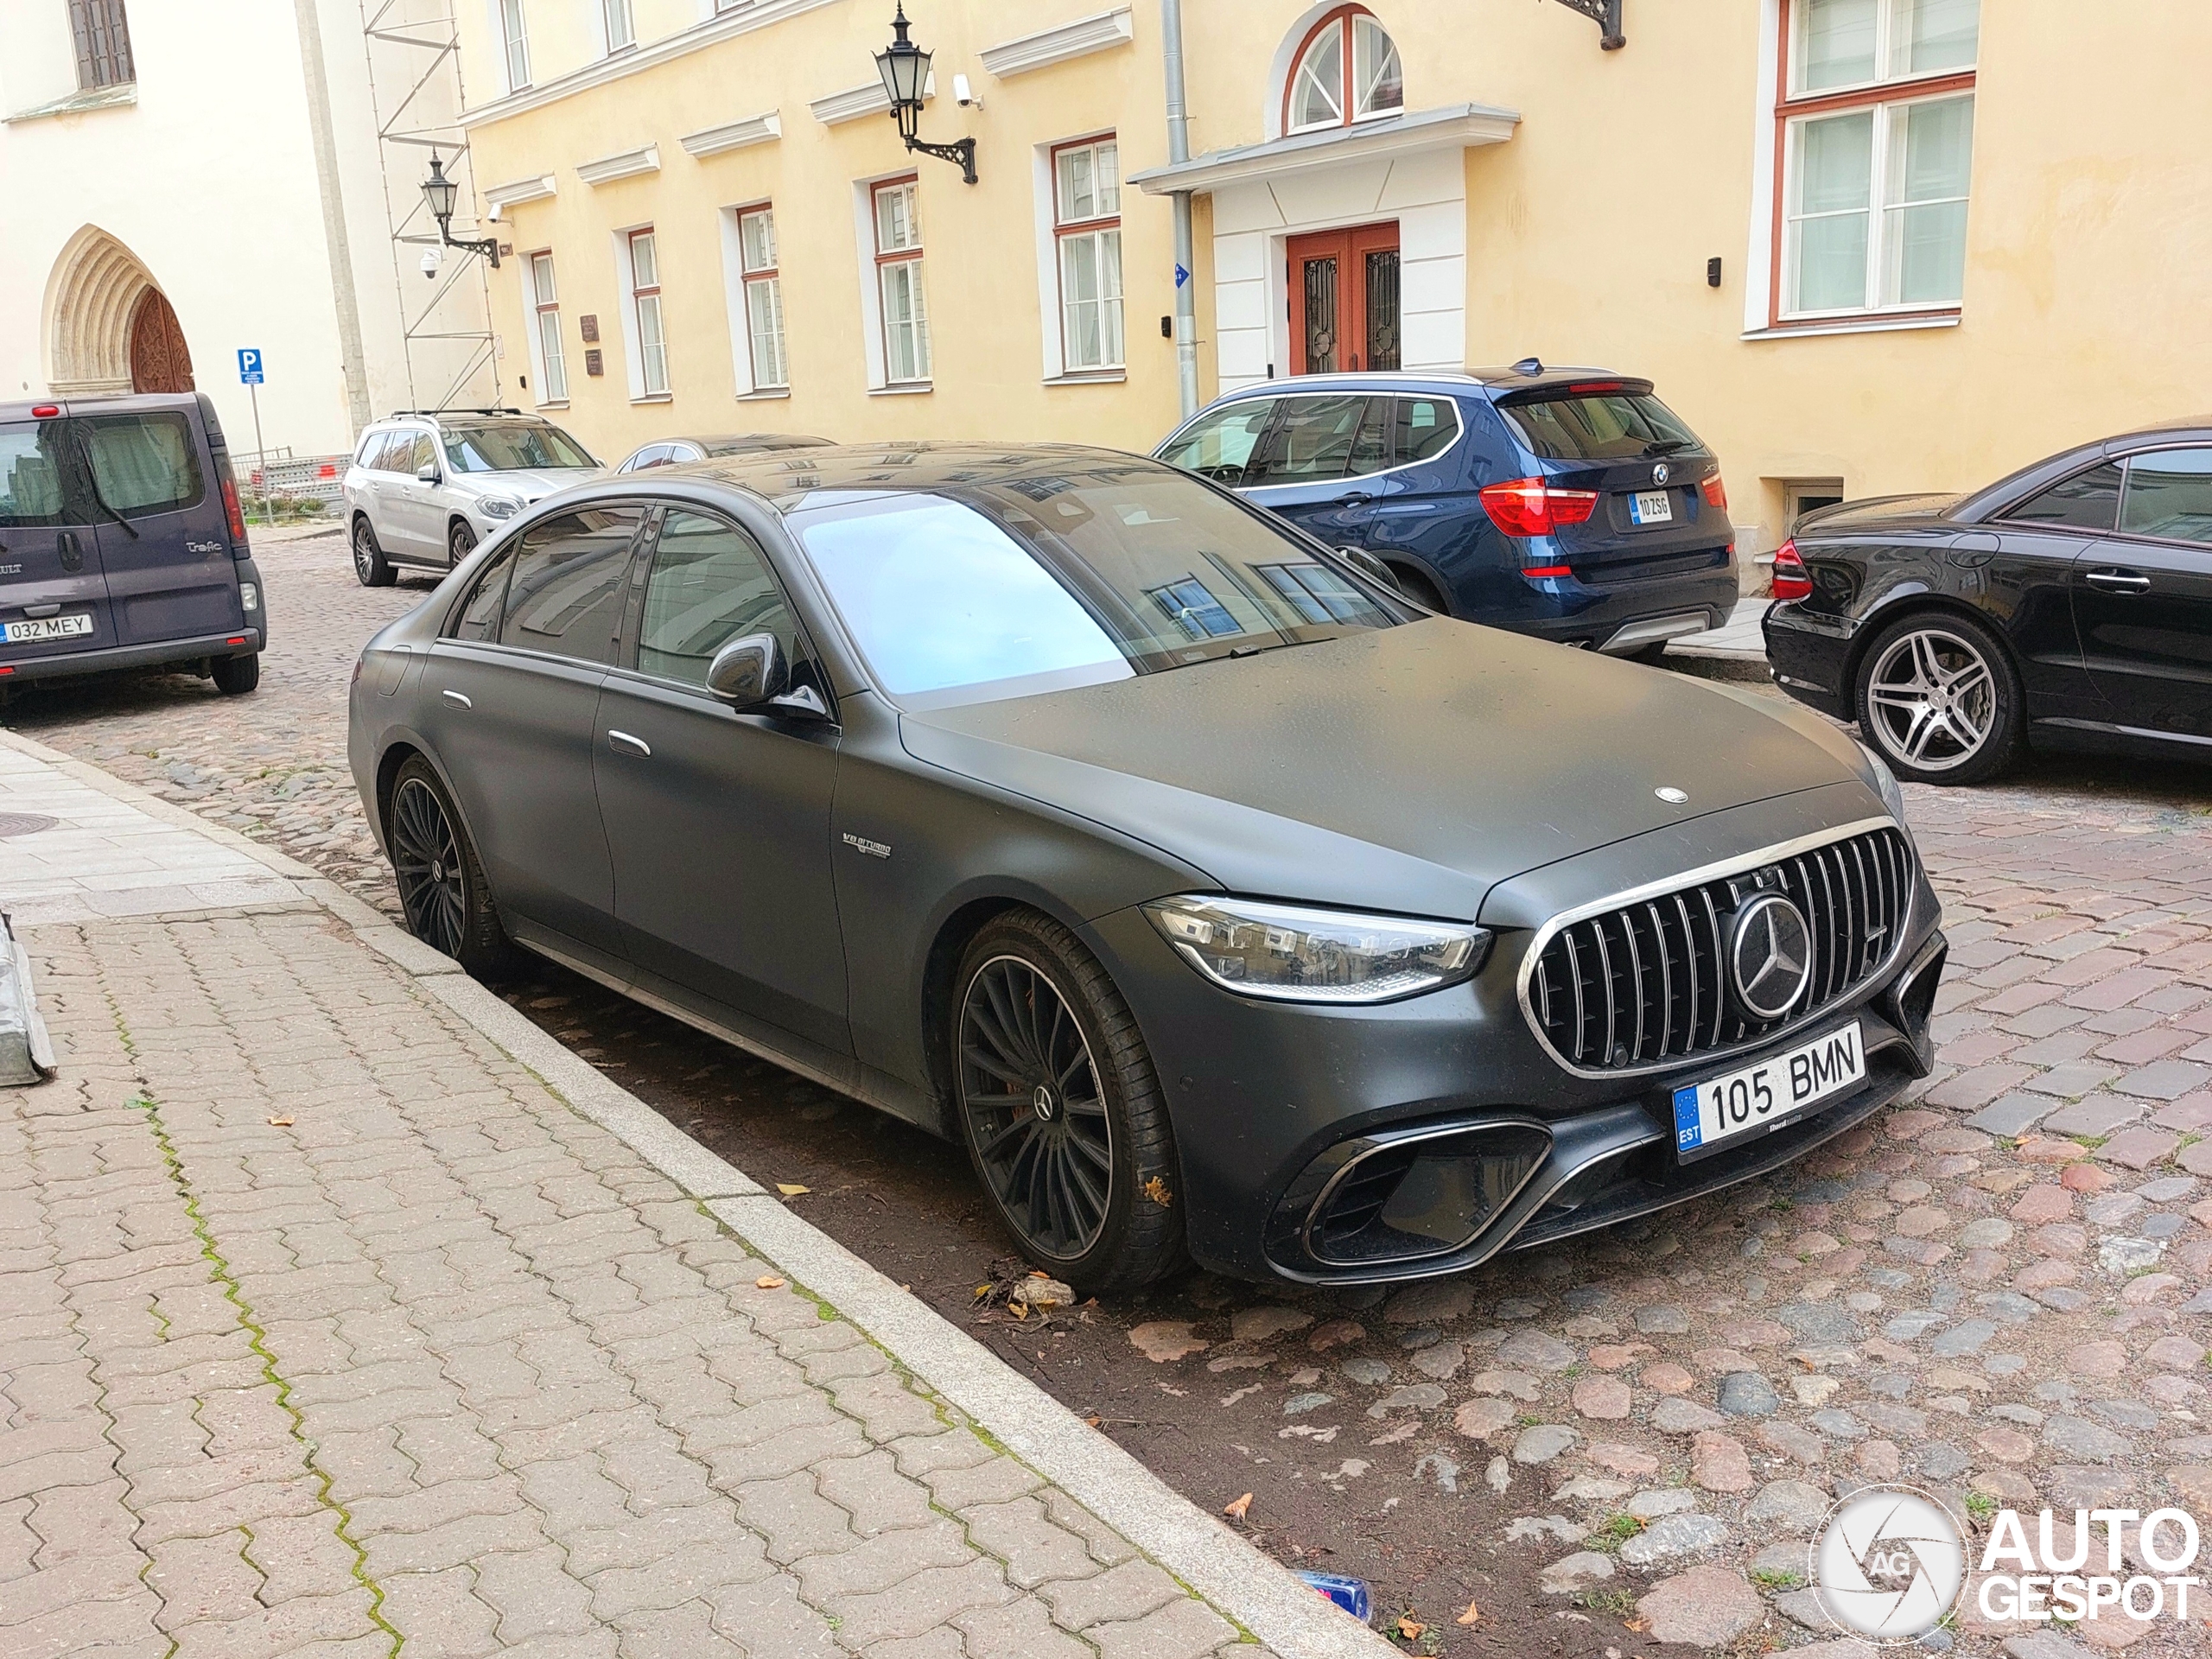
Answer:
(1645, 983)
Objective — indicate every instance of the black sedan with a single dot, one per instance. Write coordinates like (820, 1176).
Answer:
(1220, 901)
(2068, 606)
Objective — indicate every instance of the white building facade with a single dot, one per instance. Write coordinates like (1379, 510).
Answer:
(182, 182)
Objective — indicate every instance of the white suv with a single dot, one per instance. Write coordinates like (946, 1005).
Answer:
(426, 486)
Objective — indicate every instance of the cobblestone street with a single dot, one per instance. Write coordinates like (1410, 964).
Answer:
(2000, 1292)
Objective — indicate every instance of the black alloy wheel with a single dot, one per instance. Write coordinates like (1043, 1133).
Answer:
(1060, 1109)
(460, 541)
(1938, 699)
(442, 891)
(371, 567)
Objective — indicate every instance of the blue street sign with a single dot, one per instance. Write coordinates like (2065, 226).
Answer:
(1181, 275)
(250, 365)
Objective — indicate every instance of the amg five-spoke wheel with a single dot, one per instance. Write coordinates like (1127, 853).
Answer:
(1938, 696)
(1058, 1105)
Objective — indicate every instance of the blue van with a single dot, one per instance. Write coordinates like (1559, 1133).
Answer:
(122, 544)
(1570, 504)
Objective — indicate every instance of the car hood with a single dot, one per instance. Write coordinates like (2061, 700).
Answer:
(1407, 769)
(526, 484)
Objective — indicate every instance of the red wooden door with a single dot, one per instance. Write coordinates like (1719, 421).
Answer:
(159, 361)
(1344, 300)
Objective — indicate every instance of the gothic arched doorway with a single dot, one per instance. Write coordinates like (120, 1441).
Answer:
(159, 358)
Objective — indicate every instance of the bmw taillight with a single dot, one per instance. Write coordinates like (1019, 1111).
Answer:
(1791, 579)
(1715, 492)
(1530, 506)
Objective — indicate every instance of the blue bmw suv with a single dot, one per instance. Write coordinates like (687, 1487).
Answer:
(1570, 504)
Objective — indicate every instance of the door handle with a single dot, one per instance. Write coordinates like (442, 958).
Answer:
(631, 745)
(2119, 581)
(455, 697)
(1354, 499)
(73, 555)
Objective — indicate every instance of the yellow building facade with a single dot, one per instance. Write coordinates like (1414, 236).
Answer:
(1861, 246)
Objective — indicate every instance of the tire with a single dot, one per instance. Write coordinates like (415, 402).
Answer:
(371, 567)
(460, 541)
(1652, 656)
(236, 676)
(442, 889)
(1420, 589)
(1938, 697)
(1056, 1094)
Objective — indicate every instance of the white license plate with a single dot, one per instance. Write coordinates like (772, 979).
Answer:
(47, 628)
(1772, 1092)
(1651, 507)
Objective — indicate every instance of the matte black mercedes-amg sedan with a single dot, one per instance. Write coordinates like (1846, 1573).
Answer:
(2068, 606)
(1220, 901)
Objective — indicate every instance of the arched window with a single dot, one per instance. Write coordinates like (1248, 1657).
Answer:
(1322, 94)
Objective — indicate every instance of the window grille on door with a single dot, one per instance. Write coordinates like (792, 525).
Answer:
(1320, 316)
(1382, 308)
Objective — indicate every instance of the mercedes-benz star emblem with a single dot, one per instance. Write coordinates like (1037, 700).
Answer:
(1659, 473)
(1672, 795)
(1770, 955)
(1041, 1102)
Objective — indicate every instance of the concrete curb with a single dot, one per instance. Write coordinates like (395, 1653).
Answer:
(1240, 1580)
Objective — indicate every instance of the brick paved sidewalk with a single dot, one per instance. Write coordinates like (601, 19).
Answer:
(327, 1326)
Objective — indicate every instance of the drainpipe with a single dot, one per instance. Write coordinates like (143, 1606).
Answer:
(1179, 149)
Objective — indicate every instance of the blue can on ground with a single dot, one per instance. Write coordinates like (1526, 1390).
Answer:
(1349, 1593)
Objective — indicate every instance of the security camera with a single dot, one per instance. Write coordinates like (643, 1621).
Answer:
(431, 260)
(964, 95)
(492, 214)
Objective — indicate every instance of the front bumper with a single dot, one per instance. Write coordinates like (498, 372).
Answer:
(1279, 1108)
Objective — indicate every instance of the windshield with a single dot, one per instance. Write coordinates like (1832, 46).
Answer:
(1602, 426)
(1045, 582)
(511, 447)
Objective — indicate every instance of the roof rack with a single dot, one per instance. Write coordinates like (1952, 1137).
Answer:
(396, 413)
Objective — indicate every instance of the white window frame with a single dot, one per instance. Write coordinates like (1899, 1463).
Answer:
(618, 26)
(548, 359)
(1056, 232)
(634, 354)
(746, 282)
(1343, 23)
(911, 256)
(514, 41)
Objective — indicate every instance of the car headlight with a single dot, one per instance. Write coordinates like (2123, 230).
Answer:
(1292, 954)
(1886, 783)
(498, 507)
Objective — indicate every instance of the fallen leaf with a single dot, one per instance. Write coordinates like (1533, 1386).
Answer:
(1235, 1511)
(1472, 1613)
(767, 1281)
(791, 1189)
(1639, 1625)
(1093, 1422)
(1411, 1628)
(1156, 1189)
(283, 1122)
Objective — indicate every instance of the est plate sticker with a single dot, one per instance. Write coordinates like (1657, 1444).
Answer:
(1762, 1095)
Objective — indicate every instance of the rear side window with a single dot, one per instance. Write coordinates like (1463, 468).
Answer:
(372, 449)
(2168, 496)
(2087, 500)
(1322, 438)
(1219, 445)
(1600, 426)
(1427, 427)
(566, 594)
(143, 464)
(33, 476)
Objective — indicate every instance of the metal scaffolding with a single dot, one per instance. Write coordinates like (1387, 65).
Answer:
(416, 99)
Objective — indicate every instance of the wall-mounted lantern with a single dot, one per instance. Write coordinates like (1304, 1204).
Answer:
(906, 71)
(439, 192)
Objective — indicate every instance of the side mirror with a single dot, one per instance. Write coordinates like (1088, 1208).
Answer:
(749, 670)
(1371, 566)
(427, 472)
